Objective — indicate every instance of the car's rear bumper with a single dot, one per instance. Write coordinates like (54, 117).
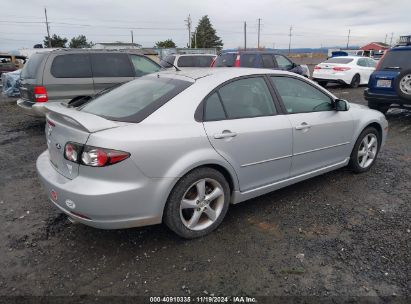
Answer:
(105, 204)
(32, 108)
(384, 98)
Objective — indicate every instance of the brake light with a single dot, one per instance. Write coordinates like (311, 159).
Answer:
(40, 94)
(378, 67)
(237, 61)
(341, 69)
(317, 67)
(93, 156)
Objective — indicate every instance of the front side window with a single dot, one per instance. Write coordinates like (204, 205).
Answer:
(372, 63)
(301, 97)
(71, 66)
(245, 98)
(268, 61)
(283, 62)
(111, 65)
(143, 66)
(168, 61)
(135, 100)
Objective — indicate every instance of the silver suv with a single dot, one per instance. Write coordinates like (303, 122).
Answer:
(67, 74)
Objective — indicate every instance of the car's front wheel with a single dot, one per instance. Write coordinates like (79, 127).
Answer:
(198, 203)
(365, 150)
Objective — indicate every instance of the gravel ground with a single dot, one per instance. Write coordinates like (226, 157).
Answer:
(339, 234)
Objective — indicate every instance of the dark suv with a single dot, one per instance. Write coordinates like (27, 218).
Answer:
(390, 83)
(67, 74)
(257, 59)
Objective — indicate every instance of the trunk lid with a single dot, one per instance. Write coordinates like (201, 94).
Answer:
(70, 125)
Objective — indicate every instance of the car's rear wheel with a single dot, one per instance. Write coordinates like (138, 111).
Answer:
(403, 84)
(365, 150)
(355, 82)
(198, 203)
(323, 83)
(382, 107)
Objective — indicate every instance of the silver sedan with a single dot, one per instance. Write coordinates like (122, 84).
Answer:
(179, 147)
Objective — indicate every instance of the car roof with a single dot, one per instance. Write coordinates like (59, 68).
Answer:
(180, 55)
(401, 48)
(251, 52)
(222, 73)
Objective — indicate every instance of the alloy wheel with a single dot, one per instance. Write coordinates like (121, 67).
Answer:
(367, 150)
(202, 204)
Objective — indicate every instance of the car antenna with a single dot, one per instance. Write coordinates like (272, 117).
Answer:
(177, 69)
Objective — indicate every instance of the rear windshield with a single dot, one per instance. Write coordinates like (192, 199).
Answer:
(135, 100)
(397, 59)
(225, 60)
(195, 61)
(30, 68)
(167, 62)
(339, 60)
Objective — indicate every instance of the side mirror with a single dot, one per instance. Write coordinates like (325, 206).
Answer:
(341, 105)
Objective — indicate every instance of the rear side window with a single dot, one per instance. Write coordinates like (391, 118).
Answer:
(225, 60)
(135, 100)
(245, 98)
(143, 66)
(214, 109)
(168, 61)
(339, 60)
(111, 65)
(397, 59)
(250, 60)
(31, 67)
(195, 61)
(71, 66)
(283, 62)
(362, 62)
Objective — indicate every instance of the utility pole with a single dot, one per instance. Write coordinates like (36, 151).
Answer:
(385, 41)
(48, 28)
(348, 38)
(132, 37)
(258, 41)
(392, 35)
(289, 42)
(188, 23)
(245, 35)
(195, 39)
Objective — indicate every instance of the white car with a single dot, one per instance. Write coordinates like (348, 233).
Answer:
(347, 70)
(187, 61)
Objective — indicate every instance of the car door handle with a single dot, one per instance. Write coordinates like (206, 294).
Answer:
(303, 126)
(225, 134)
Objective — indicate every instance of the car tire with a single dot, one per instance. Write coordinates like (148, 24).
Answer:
(198, 203)
(402, 84)
(355, 82)
(323, 83)
(363, 155)
(382, 107)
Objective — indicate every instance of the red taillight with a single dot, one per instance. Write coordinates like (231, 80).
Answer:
(341, 69)
(40, 94)
(71, 152)
(212, 65)
(51, 123)
(237, 61)
(317, 67)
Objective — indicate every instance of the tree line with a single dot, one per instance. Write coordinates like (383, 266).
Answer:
(204, 36)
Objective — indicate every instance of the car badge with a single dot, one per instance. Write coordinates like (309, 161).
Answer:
(58, 146)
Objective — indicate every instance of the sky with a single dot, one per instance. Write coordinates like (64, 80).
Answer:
(314, 23)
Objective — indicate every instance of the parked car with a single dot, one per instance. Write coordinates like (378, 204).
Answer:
(66, 74)
(391, 81)
(257, 59)
(346, 70)
(187, 61)
(10, 63)
(179, 147)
